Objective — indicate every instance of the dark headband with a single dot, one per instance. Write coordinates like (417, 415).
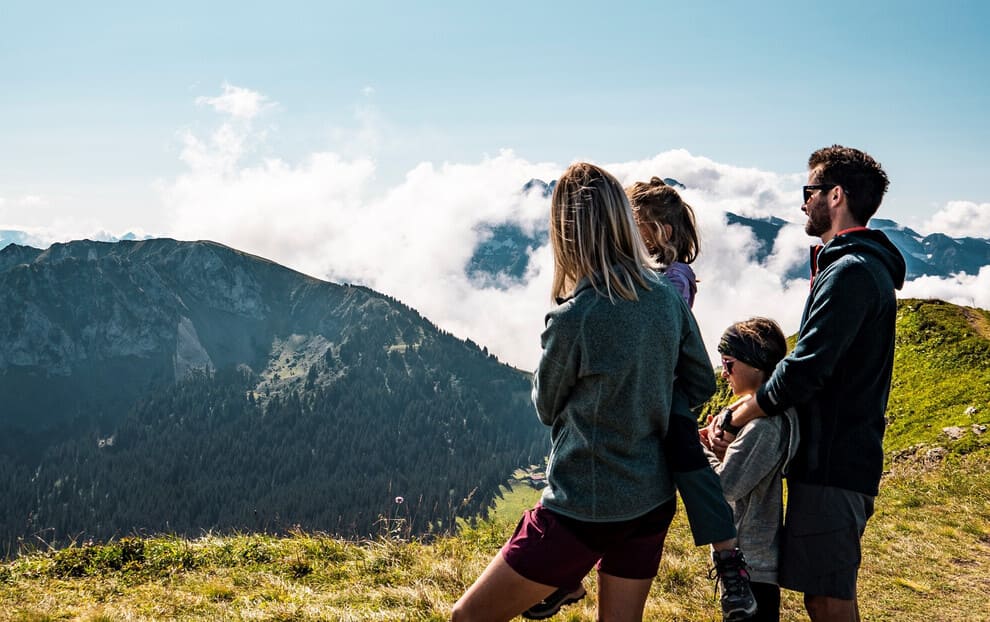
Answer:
(746, 350)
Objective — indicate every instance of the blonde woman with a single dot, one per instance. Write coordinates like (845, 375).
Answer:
(612, 347)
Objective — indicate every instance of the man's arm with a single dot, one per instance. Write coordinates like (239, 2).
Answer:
(835, 318)
(744, 410)
(837, 312)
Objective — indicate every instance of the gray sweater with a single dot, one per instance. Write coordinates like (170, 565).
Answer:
(751, 481)
(604, 387)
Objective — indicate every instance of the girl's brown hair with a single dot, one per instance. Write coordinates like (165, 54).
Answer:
(594, 236)
(656, 206)
(758, 342)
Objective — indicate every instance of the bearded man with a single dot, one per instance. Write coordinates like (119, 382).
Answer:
(838, 379)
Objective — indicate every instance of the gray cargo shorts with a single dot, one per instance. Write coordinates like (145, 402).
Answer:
(820, 548)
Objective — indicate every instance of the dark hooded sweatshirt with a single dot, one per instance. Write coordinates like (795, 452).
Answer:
(838, 375)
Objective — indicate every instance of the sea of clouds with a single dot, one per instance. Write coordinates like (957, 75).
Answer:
(327, 215)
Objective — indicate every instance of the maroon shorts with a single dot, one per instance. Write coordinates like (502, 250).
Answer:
(559, 551)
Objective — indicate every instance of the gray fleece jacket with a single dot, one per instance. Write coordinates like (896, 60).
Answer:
(604, 386)
(751, 481)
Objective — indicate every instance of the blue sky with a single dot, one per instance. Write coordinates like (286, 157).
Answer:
(376, 142)
(93, 95)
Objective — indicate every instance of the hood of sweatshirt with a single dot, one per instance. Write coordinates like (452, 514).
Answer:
(861, 240)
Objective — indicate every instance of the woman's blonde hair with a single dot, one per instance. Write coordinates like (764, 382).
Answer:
(654, 205)
(594, 236)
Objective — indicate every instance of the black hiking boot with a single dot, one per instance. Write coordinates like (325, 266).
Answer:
(552, 603)
(731, 575)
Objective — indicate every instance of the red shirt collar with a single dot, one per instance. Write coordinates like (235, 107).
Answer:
(851, 230)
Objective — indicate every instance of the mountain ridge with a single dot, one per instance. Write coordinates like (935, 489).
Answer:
(502, 258)
(326, 386)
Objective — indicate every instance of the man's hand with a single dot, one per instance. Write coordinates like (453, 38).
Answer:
(744, 410)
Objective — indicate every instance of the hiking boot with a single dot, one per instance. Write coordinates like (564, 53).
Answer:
(552, 603)
(731, 574)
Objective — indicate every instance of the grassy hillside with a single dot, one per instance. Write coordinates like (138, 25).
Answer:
(926, 551)
(941, 379)
(927, 558)
(941, 376)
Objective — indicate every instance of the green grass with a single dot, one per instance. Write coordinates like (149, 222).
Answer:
(926, 550)
(927, 557)
(941, 368)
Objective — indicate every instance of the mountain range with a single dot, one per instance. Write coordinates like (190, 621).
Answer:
(178, 386)
(181, 386)
(502, 257)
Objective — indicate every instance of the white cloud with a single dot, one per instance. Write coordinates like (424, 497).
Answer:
(961, 289)
(327, 215)
(28, 236)
(31, 201)
(790, 250)
(239, 103)
(721, 187)
(961, 219)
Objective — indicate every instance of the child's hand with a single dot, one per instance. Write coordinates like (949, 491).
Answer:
(703, 433)
(718, 439)
(721, 443)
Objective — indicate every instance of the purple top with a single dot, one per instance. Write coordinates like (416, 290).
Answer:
(682, 276)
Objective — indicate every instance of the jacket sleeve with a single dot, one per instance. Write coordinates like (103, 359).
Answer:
(835, 316)
(681, 282)
(713, 460)
(753, 455)
(695, 376)
(558, 369)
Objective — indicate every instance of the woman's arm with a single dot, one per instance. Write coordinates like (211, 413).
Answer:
(694, 370)
(558, 369)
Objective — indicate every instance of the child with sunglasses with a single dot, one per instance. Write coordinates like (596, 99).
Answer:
(753, 465)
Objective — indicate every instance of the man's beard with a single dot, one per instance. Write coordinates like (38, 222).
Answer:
(819, 219)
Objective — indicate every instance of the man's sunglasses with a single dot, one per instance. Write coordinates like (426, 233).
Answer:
(812, 189)
(727, 366)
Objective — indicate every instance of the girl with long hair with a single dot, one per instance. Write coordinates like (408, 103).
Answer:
(667, 225)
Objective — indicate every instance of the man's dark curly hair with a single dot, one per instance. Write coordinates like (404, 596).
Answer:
(861, 177)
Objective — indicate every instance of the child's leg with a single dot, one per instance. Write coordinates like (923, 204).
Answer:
(708, 513)
(768, 602)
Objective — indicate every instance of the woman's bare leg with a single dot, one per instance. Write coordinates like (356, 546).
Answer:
(621, 600)
(498, 595)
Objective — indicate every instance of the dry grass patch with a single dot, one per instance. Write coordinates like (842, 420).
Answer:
(926, 558)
